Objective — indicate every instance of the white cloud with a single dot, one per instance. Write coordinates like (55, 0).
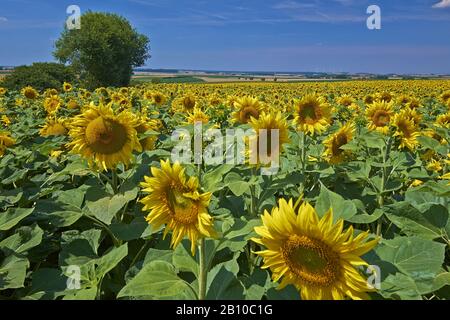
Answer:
(442, 4)
(3, 19)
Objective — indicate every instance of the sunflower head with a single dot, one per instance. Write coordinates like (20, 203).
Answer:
(345, 100)
(333, 152)
(406, 130)
(67, 87)
(159, 98)
(52, 104)
(2, 91)
(379, 116)
(30, 93)
(443, 120)
(197, 116)
(54, 127)
(144, 125)
(315, 255)
(103, 137)
(5, 142)
(72, 104)
(6, 120)
(445, 96)
(264, 128)
(312, 114)
(174, 200)
(245, 109)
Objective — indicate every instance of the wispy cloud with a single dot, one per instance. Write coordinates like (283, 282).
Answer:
(292, 5)
(3, 19)
(442, 4)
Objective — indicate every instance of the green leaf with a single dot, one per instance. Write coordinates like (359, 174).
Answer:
(223, 283)
(127, 232)
(104, 206)
(156, 279)
(414, 256)
(183, 260)
(234, 182)
(12, 272)
(429, 224)
(366, 218)
(12, 216)
(108, 261)
(342, 209)
(47, 284)
(237, 236)
(211, 181)
(23, 239)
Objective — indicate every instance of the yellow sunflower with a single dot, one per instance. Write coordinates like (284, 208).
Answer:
(6, 120)
(379, 116)
(175, 200)
(30, 93)
(54, 127)
(52, 104)
(5, 142)
(67, 87)
(245, 109)
(197, 116)
(333, 152)
(443, 120)
(316, 256)
(2, 91)
(312, 114)
(406, 130)
(345, 100)
(445, 96)
(269, 122)
(159, 98)
(446, 177)
(144, 125)
(104, 138)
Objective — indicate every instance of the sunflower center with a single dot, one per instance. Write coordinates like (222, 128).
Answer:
(184, 210)
(404, 128)
(381, 118)
(311, 260)
(188, 103)
(248, 112)
(310, 112)
(339, 141)
(106, 136)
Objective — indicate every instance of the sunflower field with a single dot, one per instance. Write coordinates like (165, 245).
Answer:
(93, 206)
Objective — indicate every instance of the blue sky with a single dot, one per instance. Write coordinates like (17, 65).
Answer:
(252, 35)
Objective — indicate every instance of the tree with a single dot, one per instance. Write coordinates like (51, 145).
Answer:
(104, 50)
(40, 76)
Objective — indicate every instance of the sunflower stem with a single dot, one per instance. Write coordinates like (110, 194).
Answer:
(384, 178)
(303, 159)
(203, 272)
(114, 181)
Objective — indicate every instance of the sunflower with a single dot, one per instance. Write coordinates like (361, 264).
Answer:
(175, 200)
(72, 104)
(197, 116)
(333, 152)
(5, 142)
(158, 98)
(104, 138)
(446, 177)
(316, 256)
(312, 114)
(414, 103)
(445, 96)
(406, 130)
(53, 127)
(379, 116)
(269, 122)
(145, 125)
(30, 93)
(345, 100)
(52, 104)
(6, 120)
(443, 120)
(188, 102)
(245, 109)
(67, 87)
(2, 91)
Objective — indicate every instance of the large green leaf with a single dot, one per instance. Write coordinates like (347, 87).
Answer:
(429, 224)
(12, 216)
(342, 209)
(23, 239)
(156, 279)
(12, 272)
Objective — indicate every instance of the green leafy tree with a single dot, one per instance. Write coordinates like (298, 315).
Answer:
(104, 50)
(39, 75)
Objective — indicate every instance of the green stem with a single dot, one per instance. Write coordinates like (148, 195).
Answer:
(384, 178)
(203, 272)
(114, 181)
(253, 200)
(303, 159)
(116, 241)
